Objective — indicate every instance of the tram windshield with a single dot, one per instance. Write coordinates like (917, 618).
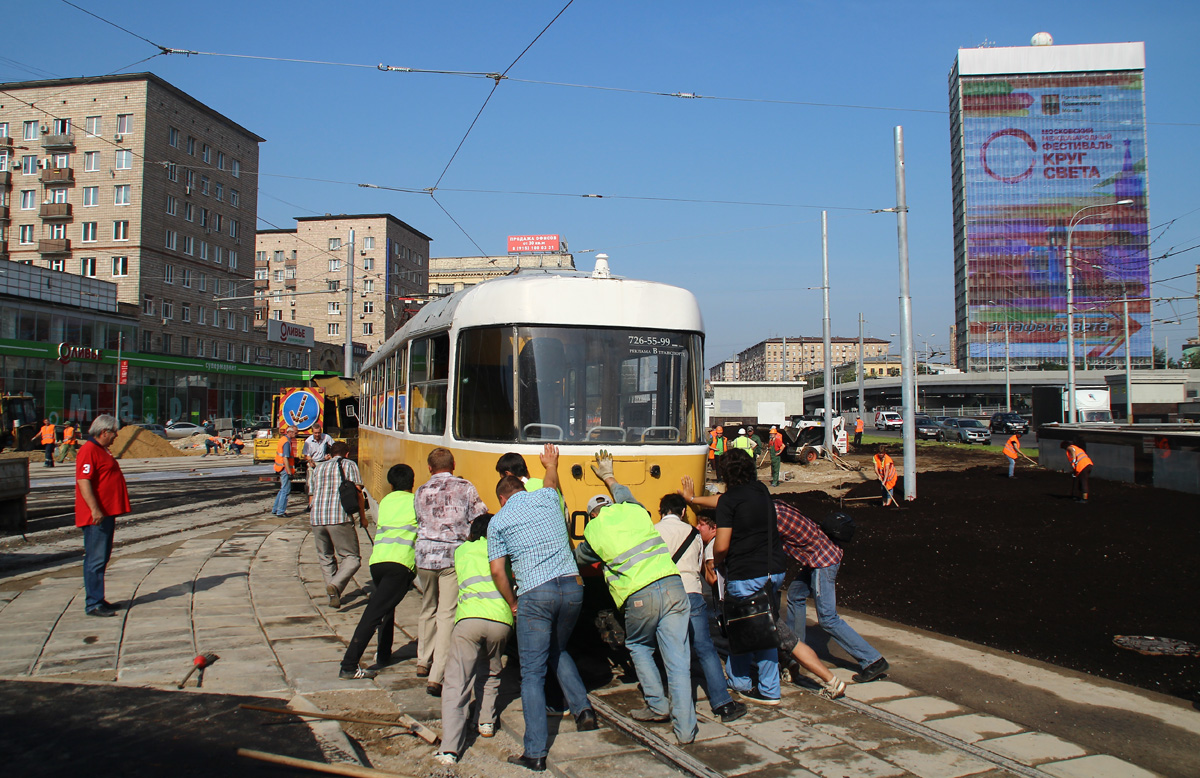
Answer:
(578, 384)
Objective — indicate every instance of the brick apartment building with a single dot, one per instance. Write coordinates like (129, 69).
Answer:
(300, 275)
(767, 361)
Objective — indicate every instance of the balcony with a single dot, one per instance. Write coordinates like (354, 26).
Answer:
(55, 246)
(3, 249)
(3, 214)
(65, 141)
(55, 211)
(6, 143)
(5, 178)
(58, 175)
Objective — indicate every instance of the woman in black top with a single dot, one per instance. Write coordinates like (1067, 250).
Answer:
(747, 545)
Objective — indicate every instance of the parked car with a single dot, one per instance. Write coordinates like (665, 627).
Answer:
(962, 430)
(888, 420)
(927, 428)
(157, 429)
(1008, 422)
(183, 429)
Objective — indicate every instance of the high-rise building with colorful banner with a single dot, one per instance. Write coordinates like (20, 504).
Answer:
(1048, 152)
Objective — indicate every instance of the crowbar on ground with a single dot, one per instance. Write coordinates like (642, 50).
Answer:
(336, 769)
(406, 722)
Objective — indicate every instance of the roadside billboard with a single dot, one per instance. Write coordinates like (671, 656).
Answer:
(289, 333)
(544, 244)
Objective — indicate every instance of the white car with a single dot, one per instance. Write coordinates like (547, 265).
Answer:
(183, 429)
(888, 420)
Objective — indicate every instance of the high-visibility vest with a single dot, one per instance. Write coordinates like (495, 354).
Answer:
(478, 597)
(285, 463)
(885, 468)
(1012, 447)
(716, 446)
(633, 552)
(1078, 458)
(69, 436)
(858, 425)
(47, 434)
(743, 442)
(397, 536)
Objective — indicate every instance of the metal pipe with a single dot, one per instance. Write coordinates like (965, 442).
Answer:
(907, 380)
(825, 333)
(1128, 363)
(348, 367)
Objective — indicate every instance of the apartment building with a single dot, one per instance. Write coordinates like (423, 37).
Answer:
(300, 275)
(788, 359)
(724, 371)
(448, 275)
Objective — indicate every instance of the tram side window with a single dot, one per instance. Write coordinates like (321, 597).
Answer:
(401, 367)
(484, 385)
(429, 362)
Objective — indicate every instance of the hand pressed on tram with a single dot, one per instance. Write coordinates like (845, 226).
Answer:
(603, 466)
(687, 488)
(549, 456)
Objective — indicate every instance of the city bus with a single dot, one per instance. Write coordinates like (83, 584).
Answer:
(586, 362)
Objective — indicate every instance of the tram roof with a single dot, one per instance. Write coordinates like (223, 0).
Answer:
(573, 299)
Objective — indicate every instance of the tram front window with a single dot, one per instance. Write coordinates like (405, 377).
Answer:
(578, 385)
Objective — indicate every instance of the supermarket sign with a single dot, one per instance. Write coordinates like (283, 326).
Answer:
(523, 244)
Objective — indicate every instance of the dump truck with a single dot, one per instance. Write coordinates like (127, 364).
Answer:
(331, 404)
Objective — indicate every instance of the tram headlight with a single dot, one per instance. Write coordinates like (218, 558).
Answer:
(577, 471)
(655, 471)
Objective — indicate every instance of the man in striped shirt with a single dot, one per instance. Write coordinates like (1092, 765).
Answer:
(332, 528)
(807, 545)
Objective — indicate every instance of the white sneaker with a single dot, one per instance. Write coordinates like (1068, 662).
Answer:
(487, 730)
(445, 757)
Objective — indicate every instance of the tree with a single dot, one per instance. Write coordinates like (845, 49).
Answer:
(1191, 360)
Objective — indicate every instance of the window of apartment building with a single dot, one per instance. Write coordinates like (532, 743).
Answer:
(220, 160)
(91, 161)
(189, 180)
(229, 322)
(245, 353)
(203, 217)
(217, 222)
(25, 234)
(185, 313)
(335, 307)
(368, 328)
(293, 314)
(234, 198)
(58, 264)
(120, 266)
(277, 296)
(368, 306)
(335, 244)
(205, 153)
(277, 314)
(168, 274)
(148, 305)
(3, 129)
(189, 245)
(204, 185)
(203, 282)
(203, 250)
(58, 231)
(172, 205)
(124, 123)
(289, 272)
(123, 159)
(277, 256)
(218, 255)
(335, 265)
(3, 158)
(147, 342)
(185, 278)
(233, 260)
(121, 194)
(218, 191)
(91, 125)
(90, 232)
(277, 275)
(235, 168)
(91, 196)
(173, 138)
(445, 289)
(62, 127)
(234, 228)
(201, 313)
(56, 195)
(260, 314)
(29, 165)
(121, 230)
(368, 242)
(199, 347)
(28, 199)
(191, 145)
(368, 263)
(168, 309)
(368, 285)
(245, 323)
(172, 171)
(189, 211)
(87, 266)
(260, 256)
(334, 328)
(166, 343)
(30, 130)
(333, 286)
(185, 343)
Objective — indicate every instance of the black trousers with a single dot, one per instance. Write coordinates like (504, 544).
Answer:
(1079, 484)
(392, 581)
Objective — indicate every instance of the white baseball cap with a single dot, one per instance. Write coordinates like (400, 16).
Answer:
(597, 502)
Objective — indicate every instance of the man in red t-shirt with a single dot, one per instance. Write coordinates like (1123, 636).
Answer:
(100, 496)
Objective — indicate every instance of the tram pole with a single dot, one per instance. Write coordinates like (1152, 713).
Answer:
(861, 399)
(825, 334)
(348, 359)
(908, 377)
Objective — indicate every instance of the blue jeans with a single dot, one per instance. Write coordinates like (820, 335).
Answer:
(658, 615)
(546, 616)
(767, 660)
(285, 488)
(822, 583)
(702, 646)
(1012, 466)
(97, 548)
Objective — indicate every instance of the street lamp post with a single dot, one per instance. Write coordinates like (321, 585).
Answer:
(1007, 379)
(1071, 225)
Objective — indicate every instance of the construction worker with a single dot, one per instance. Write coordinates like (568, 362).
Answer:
(236, 444)
(70, 440)
(716, 444)
(885, 469)
(858, 431)
(756, 444)
(775, 448)
(1081, 469)
(1012, 449)
(212, 443)
(48, 436)
(646, 585)
(743, 442)
(285, 466)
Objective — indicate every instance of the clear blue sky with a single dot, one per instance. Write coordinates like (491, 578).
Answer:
(754, 267)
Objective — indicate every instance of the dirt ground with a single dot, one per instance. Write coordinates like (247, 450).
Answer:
(1017, 565)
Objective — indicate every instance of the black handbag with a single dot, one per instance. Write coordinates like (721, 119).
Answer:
(347, 492)
(750, 621)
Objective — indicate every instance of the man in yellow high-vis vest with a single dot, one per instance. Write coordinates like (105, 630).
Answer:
(393, 567)
(646, 584)
(483, 624)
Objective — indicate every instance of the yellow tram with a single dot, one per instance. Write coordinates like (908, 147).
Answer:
(582, 361)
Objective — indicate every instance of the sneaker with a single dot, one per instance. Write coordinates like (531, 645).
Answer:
(730, 711)
(422, 671)
(757, 697)
(871, 671)
(335, 597)
(445, 757)
(357, 674)
(645, 714)
(101, 611)
(487, 730)
(834, 689)
(111, 606)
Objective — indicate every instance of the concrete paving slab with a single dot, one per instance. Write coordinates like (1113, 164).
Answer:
(708, 730)
(931, 760)
(1097, 766)
(844, 760)
(920, 708)
(974, 727)
(877, 690)
(1032, 748)
(862, 732)
(787, 770)
(625, 765)
(569, 746)
(784, 734)
(734, 755)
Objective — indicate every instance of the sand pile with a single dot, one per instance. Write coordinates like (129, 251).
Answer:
(133, 442)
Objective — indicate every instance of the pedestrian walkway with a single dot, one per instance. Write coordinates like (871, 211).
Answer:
(252, 593)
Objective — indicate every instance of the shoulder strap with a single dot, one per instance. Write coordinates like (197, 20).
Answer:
(691, 538)
(341, 472)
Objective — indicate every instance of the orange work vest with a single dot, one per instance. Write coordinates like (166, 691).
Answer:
(858, 425)
(47, 434)
(1012, 447)
(69, 436)
(284, 463)
(1078, 459)
(716, 446)
(885, 468)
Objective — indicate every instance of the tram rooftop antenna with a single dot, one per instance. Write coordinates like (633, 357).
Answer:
(601, 270)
